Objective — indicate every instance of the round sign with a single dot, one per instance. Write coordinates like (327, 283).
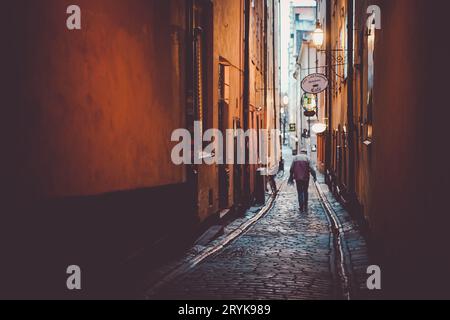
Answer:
(315, 83)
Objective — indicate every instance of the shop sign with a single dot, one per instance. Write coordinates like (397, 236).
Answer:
(315, 83)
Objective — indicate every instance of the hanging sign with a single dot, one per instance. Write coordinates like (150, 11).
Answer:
(315, 83)
(309, 102)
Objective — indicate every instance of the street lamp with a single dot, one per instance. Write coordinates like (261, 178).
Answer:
(336, 56)
(318, 36)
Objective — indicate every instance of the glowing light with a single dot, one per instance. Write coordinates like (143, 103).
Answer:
(318, 36)
(319, 128)
(370, 131)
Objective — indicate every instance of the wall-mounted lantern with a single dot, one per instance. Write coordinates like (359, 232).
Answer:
(318, 36)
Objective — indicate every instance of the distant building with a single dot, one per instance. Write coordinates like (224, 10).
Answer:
(302, 62)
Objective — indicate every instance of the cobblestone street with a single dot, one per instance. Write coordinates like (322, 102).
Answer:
(285, 255)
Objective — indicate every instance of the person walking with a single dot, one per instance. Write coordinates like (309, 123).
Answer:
(301, 170)
(271, 174)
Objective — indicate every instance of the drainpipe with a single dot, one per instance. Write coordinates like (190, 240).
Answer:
(329, 107)
(191, 170)
(246, 98)
(274, 85)
(350, 103)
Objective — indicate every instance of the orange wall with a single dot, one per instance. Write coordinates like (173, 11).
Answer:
(229, 45)
(91, 111)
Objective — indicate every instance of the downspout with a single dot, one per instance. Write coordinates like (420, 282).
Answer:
(329, 107)
(246, 100)
(191, 170)
(265, 67)
(350, 103)
(266, 61)
(274, 86)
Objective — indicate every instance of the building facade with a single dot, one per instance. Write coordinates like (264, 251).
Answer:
(90, 115)
(302, 62)
(377, 157)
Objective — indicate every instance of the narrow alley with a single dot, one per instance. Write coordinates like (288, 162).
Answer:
(285, 255)
(147, 145)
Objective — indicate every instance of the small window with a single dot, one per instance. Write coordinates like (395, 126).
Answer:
(224, 83)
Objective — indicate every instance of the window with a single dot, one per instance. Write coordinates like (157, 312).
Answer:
(224, 83)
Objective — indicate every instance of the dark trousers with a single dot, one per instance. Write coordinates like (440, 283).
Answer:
(273, 184)
(302, 189)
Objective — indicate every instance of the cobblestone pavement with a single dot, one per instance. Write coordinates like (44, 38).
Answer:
(284, 256)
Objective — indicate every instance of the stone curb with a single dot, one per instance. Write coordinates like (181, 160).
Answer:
(199, 254)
